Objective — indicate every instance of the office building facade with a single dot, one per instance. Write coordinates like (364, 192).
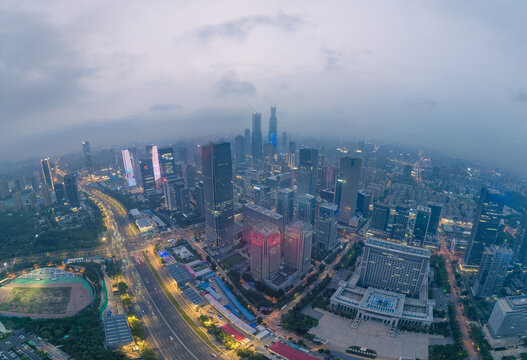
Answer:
(485, 227)
(218, 193)
(297, 246)
(256, 143)
(306, 174)
(306, 209)
(285, 204)
(348, 187)
(422, 220)
(72, 190)
(264, 251)
(380, 217)
(326, 226)
(492, 270)
(87, 155)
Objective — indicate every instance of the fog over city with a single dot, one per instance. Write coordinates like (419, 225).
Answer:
(446, 76)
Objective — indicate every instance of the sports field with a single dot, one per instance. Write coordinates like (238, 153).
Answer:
(36, 300)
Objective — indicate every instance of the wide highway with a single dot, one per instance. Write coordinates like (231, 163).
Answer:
(169, 334)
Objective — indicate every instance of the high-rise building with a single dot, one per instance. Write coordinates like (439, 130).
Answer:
(239, 150)
(400, 223)
(199, 198)
(422, 219)
(256, 143)
(329, 177)
(284, 141)
(47, 176)
(297, 246)
(154, 155)
(435, 217)
(326, 229)
(247, 141)
(181, 154)
(132, 168)
(264, 251)
(33, 203)
(60, 193)
(349, 187)
(285, 204)
(44, 190)
(34, 184)
(363, 203)
(255, 214)
(485, 226)
(166, 161)
(4, 189)
(394, 267)
(172, 191)
(273, 127)
(147, 176)
(508, 317)
(71, 189)
(492, 270)
(87, 155)
(306, 209)
(306, 174)
(216, 166)
(18, 202)
(380, 217)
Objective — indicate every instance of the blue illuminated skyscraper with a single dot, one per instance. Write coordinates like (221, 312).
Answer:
(273, 127)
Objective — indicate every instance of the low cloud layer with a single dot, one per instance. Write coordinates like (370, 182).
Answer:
(446, 75)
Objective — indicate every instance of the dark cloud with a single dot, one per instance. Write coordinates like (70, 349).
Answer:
(165, 107)
(230, 84)
(35, 66)
(520, 96)
(239, 28)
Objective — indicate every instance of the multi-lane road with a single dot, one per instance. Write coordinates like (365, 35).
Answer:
(168, 333)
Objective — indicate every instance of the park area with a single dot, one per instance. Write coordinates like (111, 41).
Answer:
(36, 300)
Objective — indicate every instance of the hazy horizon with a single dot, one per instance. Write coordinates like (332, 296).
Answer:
(443, 76)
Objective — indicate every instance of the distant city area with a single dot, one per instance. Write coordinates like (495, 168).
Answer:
(263, 245)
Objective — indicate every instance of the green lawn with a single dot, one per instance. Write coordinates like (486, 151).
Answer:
(37, 300)
(233, 260)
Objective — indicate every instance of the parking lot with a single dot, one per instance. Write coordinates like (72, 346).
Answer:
(16, 347)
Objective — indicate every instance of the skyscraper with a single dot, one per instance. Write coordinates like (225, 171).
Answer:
(255, 214)
(264, 251)
(60, 194)
(380, 217)
(45, 164)
(132, 168)
(147, 176)
(257, 137)
(400, 223)
(326, 229)
(166, 161)
(485, 226)
(422, 219)
(71, 189)
(363, 203)
(298, 243)
(349, 187)
(492, 270)
(284, 141)
(218, 193)
(273, 128)
(172, 191)
(508, 317)
(18, 202)
(306, 174)
(239, 150)
(285, 204)
(306, 209)
(247, 141)
(435, 217)
(87, 155)
(44, 190)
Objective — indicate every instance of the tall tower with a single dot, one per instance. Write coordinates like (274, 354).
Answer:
(326, 234)
(273, 127)
(285, 204)
(257, 137)
(485, 226)
(218, 193)
(166, 161)
(45, 164)
(298, 242)
(239, 150)
(307, 172)
(349, 187)
(72, 190)
(306, 208)
(492, 270)
(147, 176)
(247, 141)
(87, 155)
(435, 217)
(422, 221)
(264, 251)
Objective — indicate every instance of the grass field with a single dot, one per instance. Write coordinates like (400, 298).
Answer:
(36, 300)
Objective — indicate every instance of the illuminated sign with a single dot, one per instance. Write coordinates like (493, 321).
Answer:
(128, 168)
(155, 163)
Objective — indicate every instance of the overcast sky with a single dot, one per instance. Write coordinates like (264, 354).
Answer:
(446, 75)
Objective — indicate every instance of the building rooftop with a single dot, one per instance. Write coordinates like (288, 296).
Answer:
(404, 249)
(263, 210)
